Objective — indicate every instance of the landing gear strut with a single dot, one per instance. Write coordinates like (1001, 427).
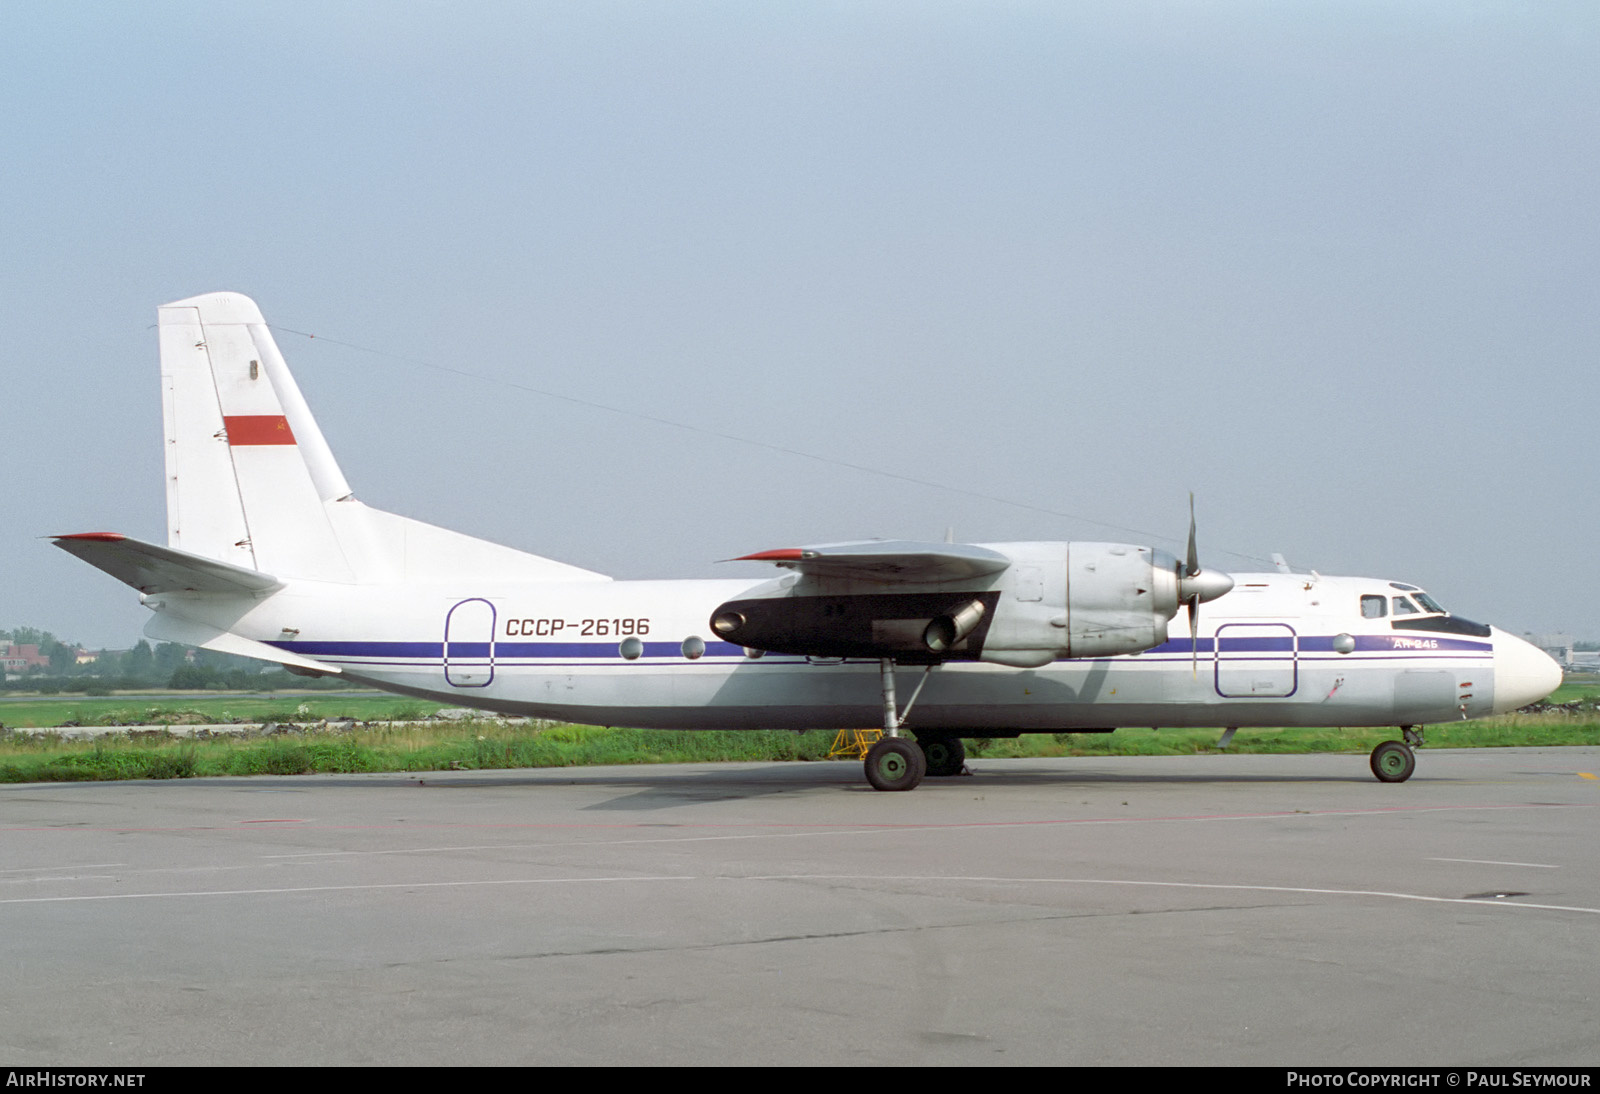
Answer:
(896, 762)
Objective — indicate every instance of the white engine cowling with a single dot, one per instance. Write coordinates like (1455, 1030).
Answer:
(1081, 600)
(1029, 604)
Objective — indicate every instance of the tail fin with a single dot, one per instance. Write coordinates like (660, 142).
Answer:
(245, 482)
(251, 481)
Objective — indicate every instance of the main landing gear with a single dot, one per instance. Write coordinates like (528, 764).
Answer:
(1393, 761)
(895, 763)
(946, 756)
(899, 763)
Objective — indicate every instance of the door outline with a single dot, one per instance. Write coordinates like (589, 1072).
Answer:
(470, 664)
(1267, 662)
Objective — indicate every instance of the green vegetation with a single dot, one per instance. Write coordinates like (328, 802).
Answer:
(157, 754)
(167, 664)
(133, 709)
(1577, 687)
(1509, 731)
(389, 736)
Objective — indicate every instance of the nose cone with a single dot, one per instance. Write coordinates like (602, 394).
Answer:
(1523, 673)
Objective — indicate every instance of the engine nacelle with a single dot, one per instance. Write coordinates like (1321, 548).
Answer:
(1050, 601)
(1081, 600)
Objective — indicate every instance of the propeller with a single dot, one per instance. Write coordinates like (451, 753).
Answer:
(1197, 585)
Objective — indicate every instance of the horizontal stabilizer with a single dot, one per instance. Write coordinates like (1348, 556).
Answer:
(168, 628)
(892, 561)
(153, 569)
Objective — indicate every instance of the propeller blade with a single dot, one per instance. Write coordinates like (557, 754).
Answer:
(1196, 585)
(1194, 636)
(1194, 553)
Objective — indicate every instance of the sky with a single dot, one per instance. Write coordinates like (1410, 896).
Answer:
(642, 286)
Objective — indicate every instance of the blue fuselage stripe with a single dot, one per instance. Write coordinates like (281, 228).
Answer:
(465, 651)
(1368, 647)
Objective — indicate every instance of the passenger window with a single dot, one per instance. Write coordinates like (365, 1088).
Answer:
(1402, 606)
(1372, 607)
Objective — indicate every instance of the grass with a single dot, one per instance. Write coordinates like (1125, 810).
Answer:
(1508, 731)
(388, 736)
(157, 754)
(1577, 687)
(203, 709)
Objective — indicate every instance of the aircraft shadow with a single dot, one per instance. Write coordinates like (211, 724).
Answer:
(648, 787)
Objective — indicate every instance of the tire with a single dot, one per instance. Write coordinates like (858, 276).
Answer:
(895, 763)
(1393, 762)
(945, 756)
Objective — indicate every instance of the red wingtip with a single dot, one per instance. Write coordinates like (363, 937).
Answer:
(105, 537)
(785, 554)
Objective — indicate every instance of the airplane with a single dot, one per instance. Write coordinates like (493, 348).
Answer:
(270, 555)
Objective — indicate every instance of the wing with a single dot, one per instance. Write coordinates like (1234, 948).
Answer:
(888, 561)
(912, 601)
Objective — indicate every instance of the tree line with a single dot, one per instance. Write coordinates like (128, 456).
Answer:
(165, 664)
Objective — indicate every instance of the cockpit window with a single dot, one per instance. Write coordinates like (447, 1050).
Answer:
(1373, 607)
(1402, 606)
(1429, 604)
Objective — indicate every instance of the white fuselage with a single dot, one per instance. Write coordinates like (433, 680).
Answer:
(1280, 649)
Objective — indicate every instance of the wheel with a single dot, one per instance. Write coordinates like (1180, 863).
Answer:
(945, 755)
(895, 763)
(1393, 762)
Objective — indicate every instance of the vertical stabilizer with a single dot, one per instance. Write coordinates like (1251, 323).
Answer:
(247, 468)
(251, 481)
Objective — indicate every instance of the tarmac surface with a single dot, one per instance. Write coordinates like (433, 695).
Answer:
(1276, 910)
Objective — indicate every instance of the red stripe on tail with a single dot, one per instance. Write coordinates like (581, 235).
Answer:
(253, 429)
